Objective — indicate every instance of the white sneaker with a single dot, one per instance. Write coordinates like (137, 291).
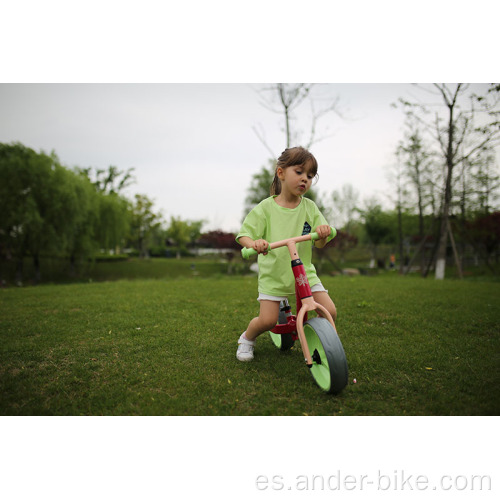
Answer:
(245, 349)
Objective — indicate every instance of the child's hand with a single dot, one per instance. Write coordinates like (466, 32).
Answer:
(323, 231)
(261, 246)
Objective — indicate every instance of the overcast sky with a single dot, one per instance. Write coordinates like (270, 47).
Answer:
(193, 146)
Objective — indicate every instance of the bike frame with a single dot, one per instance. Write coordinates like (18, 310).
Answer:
(305, 299)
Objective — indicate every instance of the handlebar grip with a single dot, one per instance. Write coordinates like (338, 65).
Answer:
(246, 253)
(314, 236)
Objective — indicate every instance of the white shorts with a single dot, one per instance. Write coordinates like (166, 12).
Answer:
(318, 287)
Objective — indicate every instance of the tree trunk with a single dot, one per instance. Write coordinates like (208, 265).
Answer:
(36, 263)
(400, 236)
(455, 252)
(287, 120)
(443, 243)
(72, 266)
(421, 232)
(19, 271)
(430, 262)
(443, 233)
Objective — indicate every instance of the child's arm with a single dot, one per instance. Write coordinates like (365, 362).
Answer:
(259, 245)
(323, 233)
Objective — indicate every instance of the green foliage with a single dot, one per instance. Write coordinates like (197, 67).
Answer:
(378, 225)
(17, 204)
(82, 217)
(47, 209)
(44, 206)
(113, 223)
(143, 223)
(485, 232)
(183, 233)
(345, 207)
(111, 181)
(260, 185)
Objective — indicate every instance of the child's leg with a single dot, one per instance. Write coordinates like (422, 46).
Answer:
(267, 319)
(324, 299)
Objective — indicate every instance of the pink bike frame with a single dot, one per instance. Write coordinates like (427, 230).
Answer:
(305, 299)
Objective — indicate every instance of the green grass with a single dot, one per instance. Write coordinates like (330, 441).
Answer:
(167, 347)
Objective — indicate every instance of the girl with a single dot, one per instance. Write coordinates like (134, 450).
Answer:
(286, 213)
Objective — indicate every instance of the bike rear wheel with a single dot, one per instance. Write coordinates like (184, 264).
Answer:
(284, 341)
(329, 369)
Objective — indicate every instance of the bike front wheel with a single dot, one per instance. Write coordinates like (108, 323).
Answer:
(329, 369)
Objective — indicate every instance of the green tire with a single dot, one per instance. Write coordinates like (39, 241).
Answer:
(329, 368)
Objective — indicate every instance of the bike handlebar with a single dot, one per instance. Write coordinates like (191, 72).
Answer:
(248, 252)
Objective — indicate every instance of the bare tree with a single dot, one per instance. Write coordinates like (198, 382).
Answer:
(460, 135)
(485, 184)
(397, 173)
(417, 164)
(285, 99)
(345, 206)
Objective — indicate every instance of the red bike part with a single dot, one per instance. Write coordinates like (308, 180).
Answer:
(284, 329)
(302, 287)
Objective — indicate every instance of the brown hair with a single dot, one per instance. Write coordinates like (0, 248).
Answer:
(292, 157)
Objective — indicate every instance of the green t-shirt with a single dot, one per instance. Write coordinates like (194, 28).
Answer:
(271, 222)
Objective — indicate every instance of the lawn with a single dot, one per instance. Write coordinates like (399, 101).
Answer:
(167, 347)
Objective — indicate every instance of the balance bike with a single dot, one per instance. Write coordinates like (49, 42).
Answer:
(321, 346)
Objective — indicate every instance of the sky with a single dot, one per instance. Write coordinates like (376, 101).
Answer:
(194, 146)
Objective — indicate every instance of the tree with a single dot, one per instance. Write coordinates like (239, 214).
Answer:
(17, 205)
(343, 242)
(82, 243)
(260, 186)
(484, 234)
(417, 162)
(285, 99)
(183, 233)
(459, 134)
(221, 240)
(378, 226)
(143, 222)
(345, 206)
(49, 210)
(397, 175)
(36, 215)
(485, 184)
(109, 181)
(46, 208)
(114, 221)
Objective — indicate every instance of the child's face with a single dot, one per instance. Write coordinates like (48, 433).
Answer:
(295, 180)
